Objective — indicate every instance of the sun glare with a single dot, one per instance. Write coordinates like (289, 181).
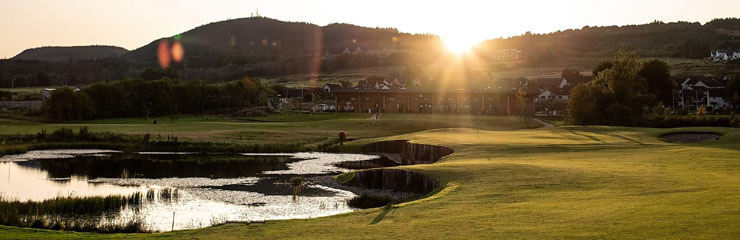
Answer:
(459, 45)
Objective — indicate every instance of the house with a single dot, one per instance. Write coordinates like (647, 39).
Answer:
(358, 50)
(554, 94)
(380, 83)
(724, 55)
(46, 92)
(504, 55)
(329, 86)
(695, 92)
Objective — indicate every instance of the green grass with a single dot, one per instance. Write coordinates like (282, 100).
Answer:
(565, 182)
(276, 129)
(557, 121)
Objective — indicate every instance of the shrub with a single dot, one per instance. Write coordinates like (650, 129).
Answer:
(673, 121)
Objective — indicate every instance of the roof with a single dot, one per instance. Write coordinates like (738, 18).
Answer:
(544, 83)
(699, 81)
(333, 86)
(487, 90)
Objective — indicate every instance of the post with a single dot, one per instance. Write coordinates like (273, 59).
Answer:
(673, 100)
(12, 91)
(508, 105)
(173, 221)
(383, 104)
(359, 106)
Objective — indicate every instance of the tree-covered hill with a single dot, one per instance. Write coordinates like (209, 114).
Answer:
(656, 39)
(258, 39)
(74, 53)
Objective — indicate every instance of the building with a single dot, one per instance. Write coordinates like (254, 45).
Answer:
(391, 96)
(695, 92)
(724, 55)
(504, 55)
(554, 94)
(331, 86)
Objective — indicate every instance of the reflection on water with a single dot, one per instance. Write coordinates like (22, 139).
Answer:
(212, 188)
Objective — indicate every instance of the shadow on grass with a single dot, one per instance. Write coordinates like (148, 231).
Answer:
(382, 214)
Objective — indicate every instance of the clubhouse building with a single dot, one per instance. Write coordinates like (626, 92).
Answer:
(385, 96)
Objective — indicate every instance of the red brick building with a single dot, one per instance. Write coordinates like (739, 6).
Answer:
(498, 102)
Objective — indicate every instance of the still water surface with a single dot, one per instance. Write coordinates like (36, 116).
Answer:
(212, 188)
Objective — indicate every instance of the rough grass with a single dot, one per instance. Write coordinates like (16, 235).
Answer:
(566, 182)
(72, 213)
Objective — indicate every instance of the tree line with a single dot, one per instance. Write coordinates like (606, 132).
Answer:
(628, 92)
(146, 98)
(623, 92)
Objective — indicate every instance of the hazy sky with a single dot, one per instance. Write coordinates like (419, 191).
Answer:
(134, 23)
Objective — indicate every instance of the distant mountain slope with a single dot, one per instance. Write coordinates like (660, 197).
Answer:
(656, 39)
(259, 35)
(63, 54)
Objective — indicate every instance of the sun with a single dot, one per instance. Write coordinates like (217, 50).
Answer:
(459, 44)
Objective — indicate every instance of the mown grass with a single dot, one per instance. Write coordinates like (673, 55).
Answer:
(277, 134)
(580, 182)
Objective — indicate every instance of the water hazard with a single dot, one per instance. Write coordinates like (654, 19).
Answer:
(209, 189)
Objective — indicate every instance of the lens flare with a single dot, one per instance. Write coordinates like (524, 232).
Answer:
(163, 53)
(178, 53)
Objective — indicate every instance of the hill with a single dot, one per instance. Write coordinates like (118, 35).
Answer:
(257, 38)
(656, 39)
(263, 47)
(64, 54)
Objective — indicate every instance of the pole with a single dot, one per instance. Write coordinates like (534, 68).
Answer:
(173, 221)
(12, 91)
(696, 102)
(673, 100)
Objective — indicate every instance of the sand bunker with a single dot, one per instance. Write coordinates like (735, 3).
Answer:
(691, 137)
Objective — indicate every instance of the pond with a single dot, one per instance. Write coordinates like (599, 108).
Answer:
(210, 189)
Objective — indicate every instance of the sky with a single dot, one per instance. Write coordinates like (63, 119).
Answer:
(134, 23)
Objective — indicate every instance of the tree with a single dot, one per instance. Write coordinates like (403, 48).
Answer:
(586, 105)
(732, 91)
(66, 104)
(658, 76)
(617, 96)
(571, 74)
(158, 73)
(601, 67)
(342, 137)
(694, 49)
(42, 79)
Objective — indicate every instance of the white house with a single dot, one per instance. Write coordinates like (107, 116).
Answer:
(695, 92)
(723, 55)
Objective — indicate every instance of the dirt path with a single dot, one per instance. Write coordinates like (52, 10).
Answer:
(546, 124)
(374, 116)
